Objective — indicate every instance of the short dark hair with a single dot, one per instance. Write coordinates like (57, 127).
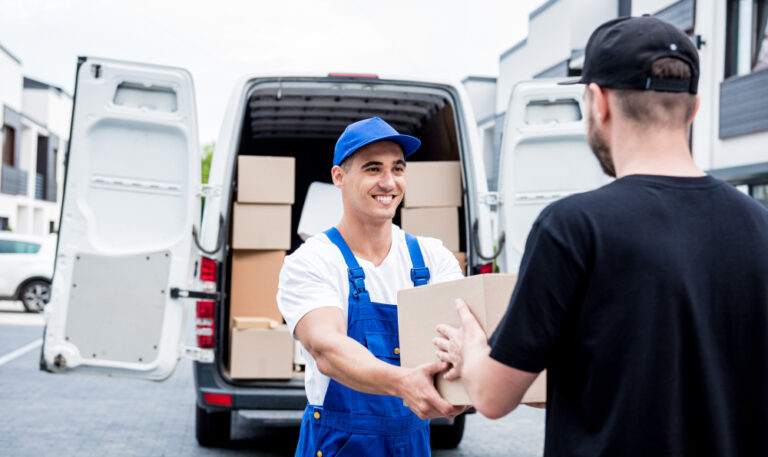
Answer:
(346, 164)
(650, 107)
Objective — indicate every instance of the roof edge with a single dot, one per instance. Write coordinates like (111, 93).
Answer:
(514, 48)
(10, 54)
(488, 79)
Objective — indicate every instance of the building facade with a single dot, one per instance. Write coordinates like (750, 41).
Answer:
(35, 121)
(729, 138)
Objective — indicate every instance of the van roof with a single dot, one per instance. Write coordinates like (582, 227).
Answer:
(283, 107)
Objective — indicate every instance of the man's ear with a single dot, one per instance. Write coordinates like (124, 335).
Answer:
(600, 106)
(337, 174)
(695, 108)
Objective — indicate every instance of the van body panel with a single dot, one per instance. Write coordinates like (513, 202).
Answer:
(544, 156)
(126, 227)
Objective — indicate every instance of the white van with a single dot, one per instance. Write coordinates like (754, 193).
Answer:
(132, 244)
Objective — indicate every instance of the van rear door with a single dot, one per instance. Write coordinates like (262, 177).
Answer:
(544, 157)
(129, 206)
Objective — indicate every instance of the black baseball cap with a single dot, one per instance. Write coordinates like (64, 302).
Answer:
(619, 55)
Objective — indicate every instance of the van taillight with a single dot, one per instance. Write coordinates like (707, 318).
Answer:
(205, 321)
(218, 399)
(207, 269)
(487, 268)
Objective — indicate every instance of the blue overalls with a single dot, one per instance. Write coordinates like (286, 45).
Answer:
(356, 424)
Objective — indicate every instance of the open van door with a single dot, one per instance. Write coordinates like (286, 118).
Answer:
(544, 157)
(129, 206)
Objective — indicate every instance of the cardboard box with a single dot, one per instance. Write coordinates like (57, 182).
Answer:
(421, 309)
(262, 179)
(261, 353)
(259, 226)
(263, 323)
(323, 208)
(462, 258)
(441, 223)
(432, 184)
(253, 291)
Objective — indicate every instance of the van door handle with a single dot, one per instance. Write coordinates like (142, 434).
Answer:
(200, 295)
(476, 243)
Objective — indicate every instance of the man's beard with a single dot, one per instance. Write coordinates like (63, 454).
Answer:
(599, 148)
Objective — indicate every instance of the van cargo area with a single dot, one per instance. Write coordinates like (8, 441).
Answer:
(303, 119)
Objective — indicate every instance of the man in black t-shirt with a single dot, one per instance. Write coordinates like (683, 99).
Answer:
(645, 300)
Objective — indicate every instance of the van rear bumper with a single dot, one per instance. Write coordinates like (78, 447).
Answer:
(275, 398)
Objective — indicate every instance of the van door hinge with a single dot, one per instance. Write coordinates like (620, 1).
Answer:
(197, 354)
(208, 191)
(180, 293)
(490, 198)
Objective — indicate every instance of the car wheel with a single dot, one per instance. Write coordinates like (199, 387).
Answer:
(35, 295)
(447, 436)
(212, 428)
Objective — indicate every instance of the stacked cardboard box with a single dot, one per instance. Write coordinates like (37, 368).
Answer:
(421, 309)
(261, 234)
(432, 201)
(261, 348)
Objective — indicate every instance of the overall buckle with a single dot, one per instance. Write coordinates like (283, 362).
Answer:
(420, 276)
(357, 281)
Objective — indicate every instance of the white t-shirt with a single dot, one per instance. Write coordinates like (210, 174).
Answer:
(315, 276)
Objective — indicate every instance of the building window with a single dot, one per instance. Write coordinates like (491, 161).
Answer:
(760, 193)
(51, 227)
(746, 39)
(9, 145)
(3, 223)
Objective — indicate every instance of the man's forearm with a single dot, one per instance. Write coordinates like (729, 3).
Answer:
(349, 363)
(495, 389)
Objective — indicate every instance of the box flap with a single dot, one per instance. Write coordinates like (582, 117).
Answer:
(243, 323)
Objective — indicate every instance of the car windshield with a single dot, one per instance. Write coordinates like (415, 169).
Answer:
(18, 247)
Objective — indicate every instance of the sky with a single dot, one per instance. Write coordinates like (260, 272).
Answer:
(219, 42)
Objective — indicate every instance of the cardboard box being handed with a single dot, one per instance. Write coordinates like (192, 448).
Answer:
(421, 309)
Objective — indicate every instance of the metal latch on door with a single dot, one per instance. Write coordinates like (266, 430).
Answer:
(198, 294)
(490, 198)
(209, 190)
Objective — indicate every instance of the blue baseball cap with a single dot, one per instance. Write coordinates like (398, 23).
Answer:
(367, 131)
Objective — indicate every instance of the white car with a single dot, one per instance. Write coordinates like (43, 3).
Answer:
(26, 268)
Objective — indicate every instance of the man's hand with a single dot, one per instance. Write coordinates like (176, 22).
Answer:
(417, 389)
(455, 343)
(495, 388)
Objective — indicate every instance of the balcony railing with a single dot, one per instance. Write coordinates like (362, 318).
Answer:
(744, 104)
(45, 189)
(13, 181)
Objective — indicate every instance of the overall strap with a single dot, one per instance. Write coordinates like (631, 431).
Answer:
(419, 272)
(355, 271)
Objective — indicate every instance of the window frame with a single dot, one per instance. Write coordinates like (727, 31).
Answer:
(758, 25)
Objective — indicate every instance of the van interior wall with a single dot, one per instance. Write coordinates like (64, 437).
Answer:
(314, 157)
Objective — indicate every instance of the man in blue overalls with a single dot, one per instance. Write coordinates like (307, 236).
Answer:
(337, 294)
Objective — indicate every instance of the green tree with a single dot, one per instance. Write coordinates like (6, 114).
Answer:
(206, 160)
(205, 167)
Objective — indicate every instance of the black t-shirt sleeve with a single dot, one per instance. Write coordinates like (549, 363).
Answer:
(548, 291)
